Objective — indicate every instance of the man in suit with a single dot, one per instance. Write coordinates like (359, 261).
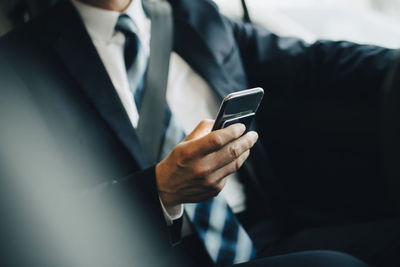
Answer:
(73, 59)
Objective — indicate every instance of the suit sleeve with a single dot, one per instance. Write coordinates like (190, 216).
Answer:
(293, 68)
(320, 117)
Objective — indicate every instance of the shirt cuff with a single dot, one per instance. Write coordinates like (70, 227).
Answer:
(171, 214)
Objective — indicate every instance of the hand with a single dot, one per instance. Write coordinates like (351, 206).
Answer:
(196, 168)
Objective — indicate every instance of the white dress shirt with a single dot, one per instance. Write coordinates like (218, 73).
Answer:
(189, 97)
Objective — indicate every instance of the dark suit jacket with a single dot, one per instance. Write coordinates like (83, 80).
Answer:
(317, 123)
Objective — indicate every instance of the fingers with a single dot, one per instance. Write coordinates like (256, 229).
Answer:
(202, 129)
(217, 139)
(210, 191)
(216, 188)
(218, 176)
(214, 183)
(196, 169)
(231, 152)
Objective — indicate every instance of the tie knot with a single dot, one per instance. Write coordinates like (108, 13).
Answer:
(132, 45)
(126, 25)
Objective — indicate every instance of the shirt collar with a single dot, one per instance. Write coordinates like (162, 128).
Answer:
(100, 23)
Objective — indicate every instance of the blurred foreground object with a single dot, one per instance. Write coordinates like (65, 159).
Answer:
(50, 213)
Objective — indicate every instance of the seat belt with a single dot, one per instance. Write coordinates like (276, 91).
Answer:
(153, 105)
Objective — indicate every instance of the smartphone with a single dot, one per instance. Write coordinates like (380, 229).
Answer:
(239, 107)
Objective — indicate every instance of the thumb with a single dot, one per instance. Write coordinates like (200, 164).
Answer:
(202, 129)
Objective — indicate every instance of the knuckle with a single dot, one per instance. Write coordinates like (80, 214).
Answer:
(202, 122)
(219, 187)
(201, 171)
(205, 122)
(213, 186)
(178, 153)
(238, 164)
(209, 184)
(197, 171)
(234, 151)
(187, 154)
(183, 155)
(215, 193)
(216, 140)
(178, 149)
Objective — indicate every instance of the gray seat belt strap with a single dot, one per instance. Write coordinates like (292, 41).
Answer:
(153, 105)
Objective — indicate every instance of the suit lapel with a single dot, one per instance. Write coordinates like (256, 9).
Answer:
(202, 39)
(206, 49)
(75, 48)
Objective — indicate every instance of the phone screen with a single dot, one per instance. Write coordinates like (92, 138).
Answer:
(239, 107)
